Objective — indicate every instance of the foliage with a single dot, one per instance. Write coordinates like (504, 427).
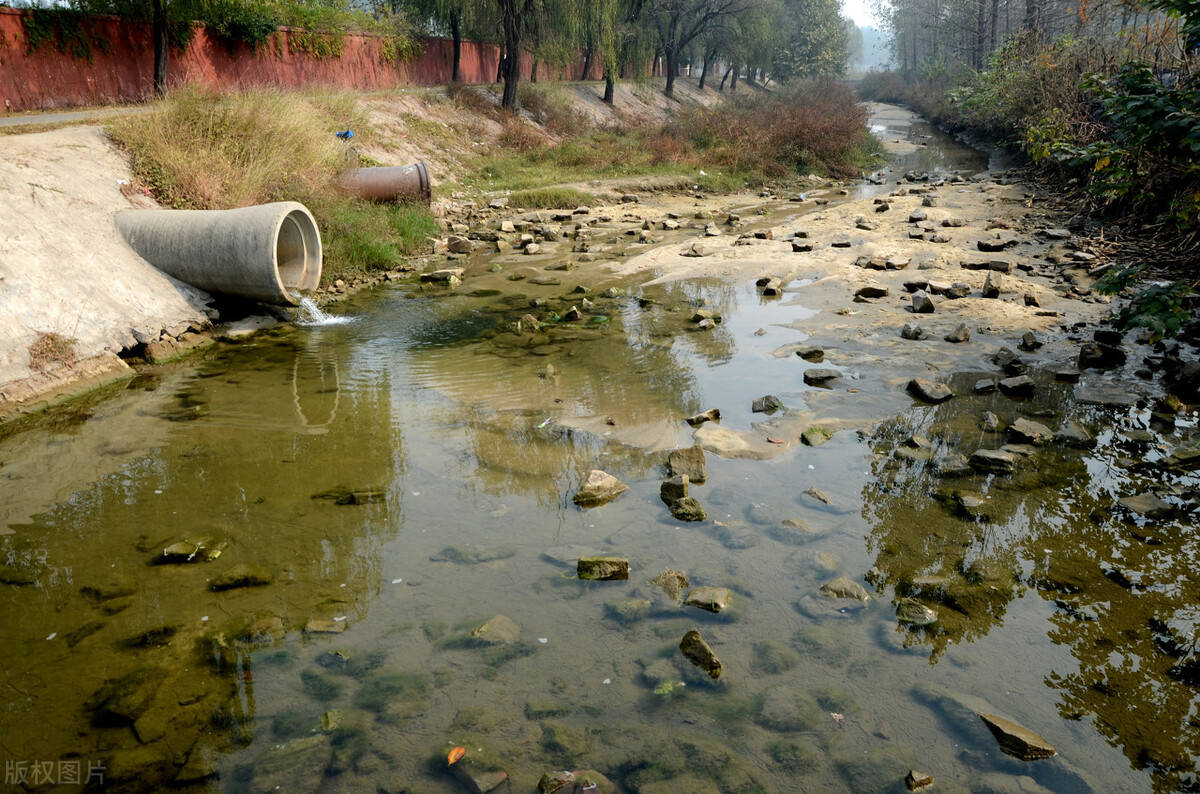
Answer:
(818, 44)
(52, 348)
(552, 108)
(243, 21)
(1158, 306)
(1147, 152)
(62, 29)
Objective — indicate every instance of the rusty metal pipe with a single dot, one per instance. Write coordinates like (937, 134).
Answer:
(389, 183)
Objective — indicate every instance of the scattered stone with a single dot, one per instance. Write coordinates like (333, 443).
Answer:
(915, 780)
(1072, 434)
(917, 215)
(1026, 431)
(673, 583)
(767, 404)
(994, 285)
(929, 391)
(773, 287)
(711, 599)
(801, 247)
(841, 242)
(813, 355)
(601, 487)
(816, 436)
(922, 303)
(995, 461)
(1017, 740)
(819, 377)
(241, 575)
(912, 331)
(911, 612)
(953, 223)
(500, 630)
(1148, 505)
(674, 488)
(958, 290)
(1020, 386)
(871, 291)
(711, 415)
(697, 250)
(989, 422)
(457, 245)
(689, 462)
(603, 568)
(819, 495)
(1106, 395)
(845, 587)
(698, 652)
(1095, 355)
(1029, 342)
(960, 334)
(324, 626)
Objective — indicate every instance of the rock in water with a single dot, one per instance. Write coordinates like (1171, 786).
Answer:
(845, 587)
(929, 391)
(500, 630)
(914, 613)
(689, 462)
(993, 460)
(674, 488)
(917, 780)
(1026, 431)
(698, 652)
(601, 487)
(241, 576)
(711, 415)
(766, 404)
(688, 509)
(1017, 740)
(603, 568)
(711, 599)
(673, 583)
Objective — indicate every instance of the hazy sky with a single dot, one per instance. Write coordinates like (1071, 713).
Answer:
(860, 12)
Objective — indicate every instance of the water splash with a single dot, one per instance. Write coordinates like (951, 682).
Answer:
(310, 313)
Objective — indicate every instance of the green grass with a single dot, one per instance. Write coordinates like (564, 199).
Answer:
(550, 198)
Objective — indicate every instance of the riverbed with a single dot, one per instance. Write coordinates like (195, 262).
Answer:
(269, 566)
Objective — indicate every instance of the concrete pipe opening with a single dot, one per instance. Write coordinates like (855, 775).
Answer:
(389, 183)
(270, 252)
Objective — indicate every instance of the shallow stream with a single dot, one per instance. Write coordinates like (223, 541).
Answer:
(373, 491)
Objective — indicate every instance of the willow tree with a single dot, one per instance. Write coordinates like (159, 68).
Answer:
(678, 23)
(458, 18)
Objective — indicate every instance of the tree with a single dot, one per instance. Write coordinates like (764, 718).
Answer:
(678, 23)
(459, 18)
(817, 42)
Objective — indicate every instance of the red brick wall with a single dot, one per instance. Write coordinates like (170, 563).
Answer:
(50, 79)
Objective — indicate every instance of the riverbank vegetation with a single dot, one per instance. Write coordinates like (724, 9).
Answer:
(1102, 98)
(198, 149)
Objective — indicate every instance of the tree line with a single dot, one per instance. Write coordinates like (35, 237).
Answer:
(761, 40)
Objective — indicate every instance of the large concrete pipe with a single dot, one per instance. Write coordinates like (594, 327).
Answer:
(268, 252)
(389, 183)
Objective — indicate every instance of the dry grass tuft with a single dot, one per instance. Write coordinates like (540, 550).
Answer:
(50, 349)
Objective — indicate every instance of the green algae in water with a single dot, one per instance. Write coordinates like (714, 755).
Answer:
(319, 687)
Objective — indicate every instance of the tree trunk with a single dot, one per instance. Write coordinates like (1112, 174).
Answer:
(500, 66)
(587, 64)
(512, 48)
(980, 30)
(704, 71)
(995, 19)
(160, 47)
(725, 77)
(733, 81)
(533, 70)
(456, 35)
(671, 65)
(610, 86)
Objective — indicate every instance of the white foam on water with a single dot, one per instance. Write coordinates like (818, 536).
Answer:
(310, 313)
